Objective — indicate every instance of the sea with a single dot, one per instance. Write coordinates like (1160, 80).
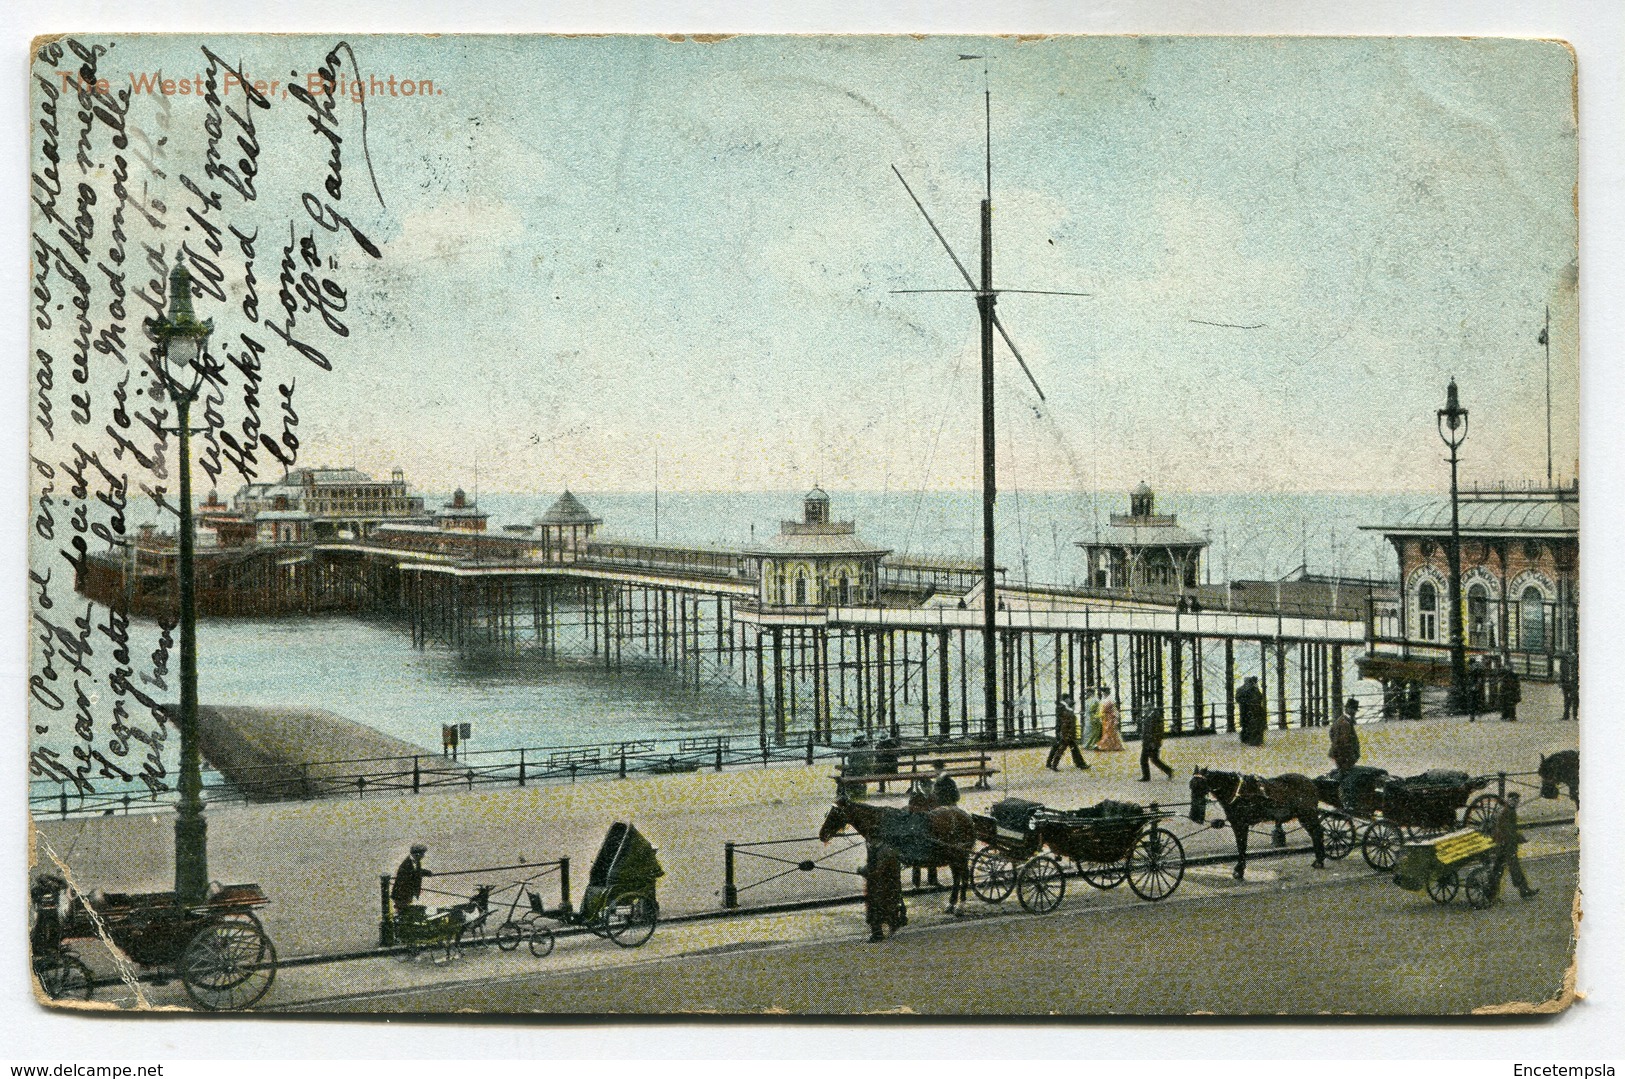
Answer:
(369, 672)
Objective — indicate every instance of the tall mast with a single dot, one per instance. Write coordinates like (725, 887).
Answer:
(986, 297)
(985, 300)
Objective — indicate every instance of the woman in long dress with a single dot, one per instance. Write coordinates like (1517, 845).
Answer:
(1111, 740)
(1091, 726)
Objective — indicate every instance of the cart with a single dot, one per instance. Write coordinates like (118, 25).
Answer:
(526, 919)
(1108, 843)
(217, 948)
(619, 902)
(1447, 864)
(417, 929)
(1389, 811)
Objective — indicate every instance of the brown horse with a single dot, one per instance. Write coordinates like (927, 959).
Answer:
(1248, 800)
(939, 837)
(1561, 767)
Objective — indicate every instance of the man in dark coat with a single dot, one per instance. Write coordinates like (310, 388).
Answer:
(408, 885)
(1151, 746)
(1507, 838)
(1475, 688)
(1066, 735)
(1345, 751)
(1253, 716)
(943, 787)
(883, 891)
(1568, 679)
(1511, 694)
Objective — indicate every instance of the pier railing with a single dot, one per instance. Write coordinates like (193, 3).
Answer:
(424, 773)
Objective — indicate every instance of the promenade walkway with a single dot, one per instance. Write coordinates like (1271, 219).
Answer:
(320, 861)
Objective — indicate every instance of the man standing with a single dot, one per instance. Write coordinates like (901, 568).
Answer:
(1506, 850)
(1475, 688)
(1253, 716)
(1511, 694)
(408, 885)
(1569, 681)
(943, 787)
(1151, 746)
(1066, 735)
(1345, 751)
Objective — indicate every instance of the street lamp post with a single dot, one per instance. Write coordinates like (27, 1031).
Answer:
(180, 337)
(1452, 420)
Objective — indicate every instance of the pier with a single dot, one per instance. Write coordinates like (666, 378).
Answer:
(830, 640)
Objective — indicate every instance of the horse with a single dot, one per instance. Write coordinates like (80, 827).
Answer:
(928, 840)
(1247, 800)
(1563, 767)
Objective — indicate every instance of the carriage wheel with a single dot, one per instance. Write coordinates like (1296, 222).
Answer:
(1103, 875)
(1156, 864)
(1480, 889)
(992, 875)
(228, 964)
(508, 936)
(1483, 812)
(64, 977)
(1443, 888)
(1337, 834)
(1380, 849)
(541, 942)
(630, 919)
(1041, 884)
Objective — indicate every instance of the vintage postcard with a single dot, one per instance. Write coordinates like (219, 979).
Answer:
(803, 525)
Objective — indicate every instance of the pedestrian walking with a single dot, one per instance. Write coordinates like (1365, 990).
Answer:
(1111, 733)
(1254, 716)
(1507, 838)
(1511, 694)
(883, 907)
(1151, 746)
(408, 884)
(1066, 736)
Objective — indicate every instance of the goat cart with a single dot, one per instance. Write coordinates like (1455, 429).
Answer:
(1023, 844)
(1384, 812)
(1448, 864)
(217, 948)
(619, 902)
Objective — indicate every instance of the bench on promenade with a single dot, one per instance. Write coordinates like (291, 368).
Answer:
(858, 767)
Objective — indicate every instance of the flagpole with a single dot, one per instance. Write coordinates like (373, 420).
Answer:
(1546, 339)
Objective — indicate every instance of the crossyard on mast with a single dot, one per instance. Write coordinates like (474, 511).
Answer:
(986, 297)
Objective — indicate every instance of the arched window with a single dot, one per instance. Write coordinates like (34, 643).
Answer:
(1532, 620)
(1478, 616)
(846, 589)
(801, 589)
(1427, 608)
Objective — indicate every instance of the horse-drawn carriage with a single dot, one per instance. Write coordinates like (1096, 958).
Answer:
(619, 902)
(1444, 865)
(1382, 812)
(217, 948)
(1024, 842)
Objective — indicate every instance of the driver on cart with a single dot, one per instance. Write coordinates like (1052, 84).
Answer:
(408, 885)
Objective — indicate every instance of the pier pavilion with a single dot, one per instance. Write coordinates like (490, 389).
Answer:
(1520, 585)
(1143, 549)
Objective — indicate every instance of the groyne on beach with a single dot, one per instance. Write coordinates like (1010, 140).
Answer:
(272, 754)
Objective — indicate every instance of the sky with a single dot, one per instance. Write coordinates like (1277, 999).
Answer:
(597, 251)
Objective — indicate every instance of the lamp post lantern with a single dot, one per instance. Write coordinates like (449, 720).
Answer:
(180, 338)
(1452, 420)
